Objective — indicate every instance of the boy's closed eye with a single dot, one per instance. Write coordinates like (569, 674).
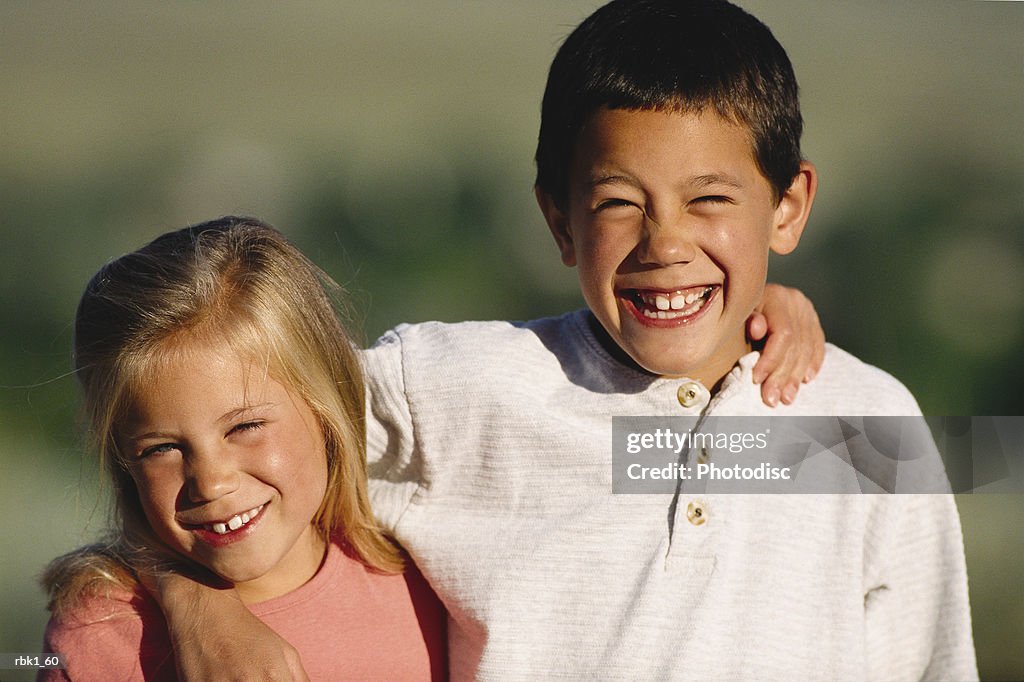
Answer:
(611, 204)
(618, 203)
(714, 199)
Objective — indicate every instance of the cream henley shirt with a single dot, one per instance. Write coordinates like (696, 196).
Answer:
(490, 456)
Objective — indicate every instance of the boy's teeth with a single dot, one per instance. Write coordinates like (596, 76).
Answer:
(669, 306)
(235, 522)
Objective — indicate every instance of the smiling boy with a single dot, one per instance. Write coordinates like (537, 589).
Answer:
(669, 221)
(668, 167)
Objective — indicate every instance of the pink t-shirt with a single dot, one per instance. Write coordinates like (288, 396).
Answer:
(347, 622)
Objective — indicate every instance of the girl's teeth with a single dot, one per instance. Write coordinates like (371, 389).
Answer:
(235, 522)
(661, 302)
(678, 302)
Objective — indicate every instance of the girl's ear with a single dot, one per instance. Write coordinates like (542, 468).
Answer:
(558, 223)
(793, 210)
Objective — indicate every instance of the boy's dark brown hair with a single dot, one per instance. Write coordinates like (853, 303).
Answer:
(677, 55)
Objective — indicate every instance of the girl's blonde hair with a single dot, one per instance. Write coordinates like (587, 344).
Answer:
(238, 283)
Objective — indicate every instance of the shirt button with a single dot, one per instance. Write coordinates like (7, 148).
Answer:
(696, 513)
(689, 394)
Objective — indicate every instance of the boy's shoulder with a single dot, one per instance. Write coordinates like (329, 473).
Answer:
(848, 385)
(475, 331)
(481, 344)
(484, 361)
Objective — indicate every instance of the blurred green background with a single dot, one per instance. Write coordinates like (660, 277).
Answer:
(393, 142)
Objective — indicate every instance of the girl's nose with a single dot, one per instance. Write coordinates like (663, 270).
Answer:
(210, 476)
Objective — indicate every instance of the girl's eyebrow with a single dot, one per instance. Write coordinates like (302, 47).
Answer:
(149, 435)
(234, 414)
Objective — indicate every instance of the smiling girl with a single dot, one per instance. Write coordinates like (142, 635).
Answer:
(227, 407)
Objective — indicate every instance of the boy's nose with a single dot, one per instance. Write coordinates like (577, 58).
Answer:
(666, 244)
(210, 476)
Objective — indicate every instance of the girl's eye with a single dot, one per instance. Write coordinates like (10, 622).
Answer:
(161, 449)
(247, 426)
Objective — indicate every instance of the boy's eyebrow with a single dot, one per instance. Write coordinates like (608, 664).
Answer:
(699, 181)
(599, 179)
(709, 179)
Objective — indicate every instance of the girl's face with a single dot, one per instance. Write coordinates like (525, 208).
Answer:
(231, 468)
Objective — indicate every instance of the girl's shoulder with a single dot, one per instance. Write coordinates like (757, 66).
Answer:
(111, 634)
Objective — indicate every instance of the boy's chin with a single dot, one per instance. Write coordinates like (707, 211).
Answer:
(675, 364)
(689, 359)
(666, 367)
(696, 363)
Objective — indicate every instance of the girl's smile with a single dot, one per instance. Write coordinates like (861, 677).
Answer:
(221, 533)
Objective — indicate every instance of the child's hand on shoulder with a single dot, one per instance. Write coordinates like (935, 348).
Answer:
(215, 637)
(794, 346)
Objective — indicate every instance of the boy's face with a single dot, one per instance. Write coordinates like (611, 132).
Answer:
(670, 221)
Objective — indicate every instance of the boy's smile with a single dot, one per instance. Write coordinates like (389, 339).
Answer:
(670, 221)
(668, 308)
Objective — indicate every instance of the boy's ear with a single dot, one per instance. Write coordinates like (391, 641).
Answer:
(558, 223)
(793, 210)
